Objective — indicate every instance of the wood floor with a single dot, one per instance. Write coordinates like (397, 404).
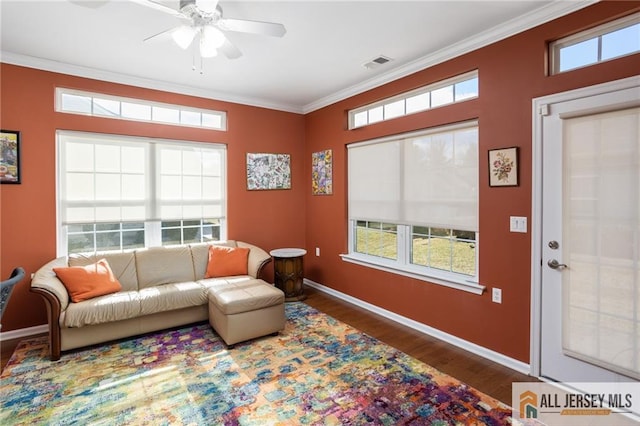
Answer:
(488, 377)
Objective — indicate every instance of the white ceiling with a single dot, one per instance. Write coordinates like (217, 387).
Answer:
(319, 61)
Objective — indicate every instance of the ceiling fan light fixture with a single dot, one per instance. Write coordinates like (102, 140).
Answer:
(203, 19)
(183, 36)
(211, 39)
(213, 36)
(207, 49)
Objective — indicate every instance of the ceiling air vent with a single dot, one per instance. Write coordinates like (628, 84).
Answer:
(376, 62)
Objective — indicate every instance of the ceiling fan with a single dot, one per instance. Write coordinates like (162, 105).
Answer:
(203, 20)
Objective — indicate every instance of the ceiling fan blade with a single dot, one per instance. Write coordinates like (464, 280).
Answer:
(157, 6)
(253, 27)
(166, 34)
(230, 50)
(94, 4)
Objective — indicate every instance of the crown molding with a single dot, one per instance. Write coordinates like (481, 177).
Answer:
(546, 13)
(113, 77)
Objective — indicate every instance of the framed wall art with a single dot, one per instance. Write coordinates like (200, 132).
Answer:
(9, 156)
(268, 171)
(503, 167)
(322, 172)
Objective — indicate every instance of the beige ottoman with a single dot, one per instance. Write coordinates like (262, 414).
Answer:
(245, 310)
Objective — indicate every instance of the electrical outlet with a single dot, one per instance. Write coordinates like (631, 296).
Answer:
(496, 295)
(318, 251)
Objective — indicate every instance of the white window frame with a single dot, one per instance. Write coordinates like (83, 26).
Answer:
(220, 116)
(381, 106)
(402, 265)
(152, 225)
(593, 33)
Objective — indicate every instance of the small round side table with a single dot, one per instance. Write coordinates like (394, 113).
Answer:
(289, 272)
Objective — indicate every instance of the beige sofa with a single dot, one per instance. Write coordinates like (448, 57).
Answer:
(162, 287)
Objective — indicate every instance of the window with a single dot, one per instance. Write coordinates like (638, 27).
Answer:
(413, 205)
(608, 41)
(122, 192)
(444, 249)
(91, 237)
(190, 231)
(377, 239)
(100, 105)
(457, 89)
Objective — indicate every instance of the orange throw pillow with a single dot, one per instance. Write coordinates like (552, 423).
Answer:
(86, 282)
(227, 261)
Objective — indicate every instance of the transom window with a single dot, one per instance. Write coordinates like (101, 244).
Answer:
(456, 89)
(609, 41)
(100, 105)
(123, 192)
(413, 205)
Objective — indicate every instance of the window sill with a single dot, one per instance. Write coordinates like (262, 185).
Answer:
(447, 281)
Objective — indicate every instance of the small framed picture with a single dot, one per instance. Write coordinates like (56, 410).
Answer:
(503, 167)
(9, 156)
(321, 173)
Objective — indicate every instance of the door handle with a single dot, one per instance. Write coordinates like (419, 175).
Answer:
(554, 264)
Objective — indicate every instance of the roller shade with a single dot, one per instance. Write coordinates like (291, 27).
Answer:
(106, 178)
(427, 178)
(190, 182)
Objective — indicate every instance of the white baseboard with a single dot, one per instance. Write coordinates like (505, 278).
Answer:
(489, 354)
(24, 332)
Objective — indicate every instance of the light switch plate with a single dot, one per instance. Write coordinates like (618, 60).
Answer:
(518, 224)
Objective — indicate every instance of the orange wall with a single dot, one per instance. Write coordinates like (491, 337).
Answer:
(512, 73)
(269, 219)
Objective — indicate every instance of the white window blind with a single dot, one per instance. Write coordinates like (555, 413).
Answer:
(428, 178)
(102, 179)
(374, 181)
(106, 178)
(191, 183)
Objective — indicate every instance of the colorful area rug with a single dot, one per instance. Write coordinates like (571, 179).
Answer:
(318, 371)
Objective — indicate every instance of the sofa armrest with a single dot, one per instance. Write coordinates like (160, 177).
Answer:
(53, 318)
(46, 279)
(258, 258)
(46, 284)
